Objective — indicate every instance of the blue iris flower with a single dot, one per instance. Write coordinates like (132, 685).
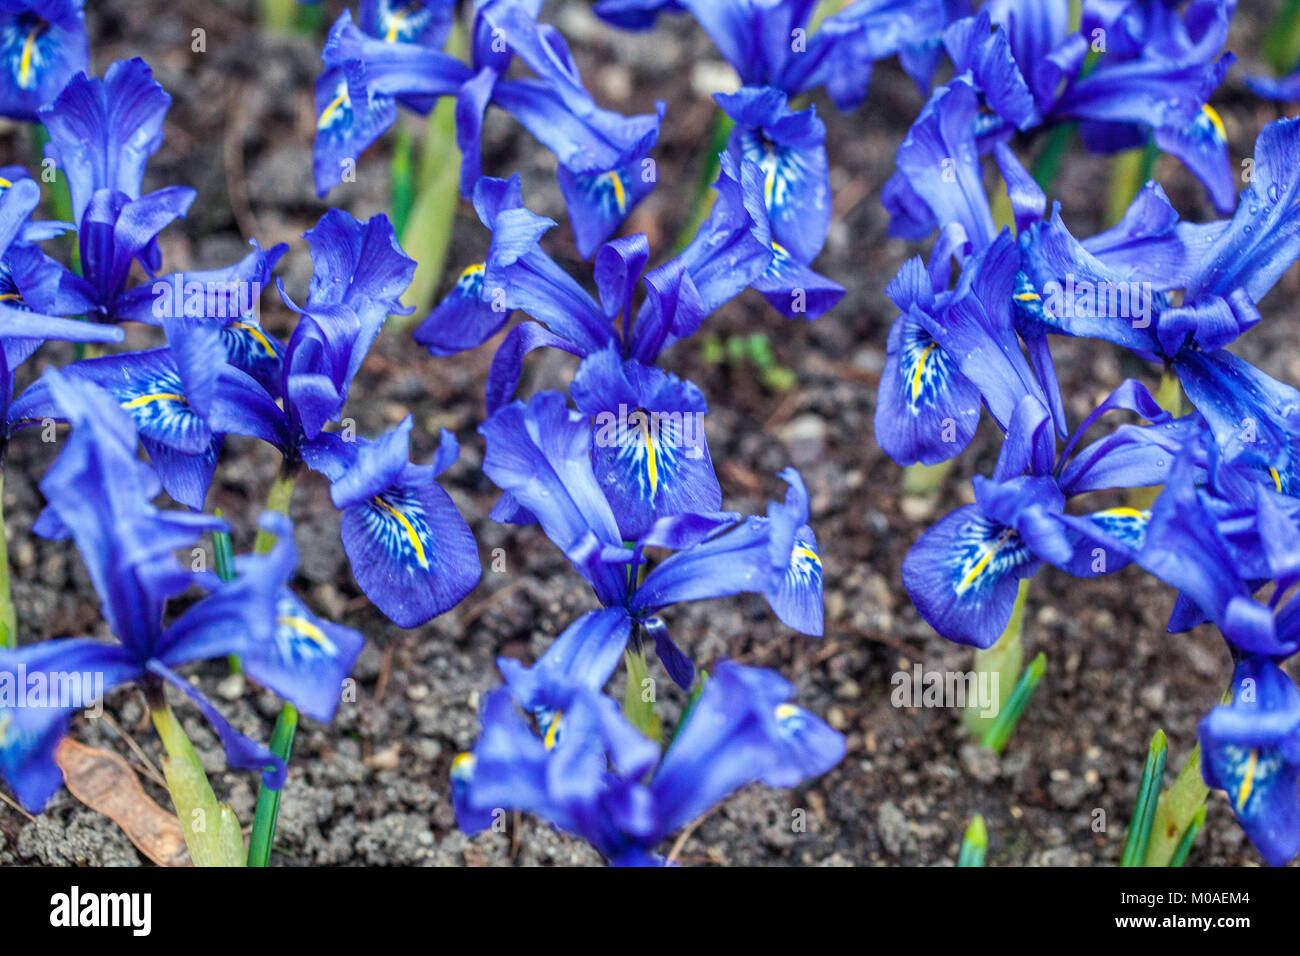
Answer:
(1199, 287)
(102, 133)
(24, 326)
(580, 766)
(939, 177)
(769, 43)
(541, 455)
(99, 494)
(227, 299)
(359, 275)
(1154, 79)
(963, 573)
(733, 249)
(427, 22)
(410, 549)
(1251, 750)
(950, 353)
(605, 169)
(43, 45)
(790, 149)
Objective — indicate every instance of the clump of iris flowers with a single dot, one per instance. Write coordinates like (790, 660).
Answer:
(1202, 497)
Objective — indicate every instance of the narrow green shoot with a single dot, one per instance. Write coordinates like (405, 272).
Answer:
(1193, 830)
(974, 844)
(1005, 724)
(1138, 840)
(639, 695)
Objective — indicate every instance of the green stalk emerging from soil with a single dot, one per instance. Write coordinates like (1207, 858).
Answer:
(278, 499)
(1130, 171)
(268, 800)
(212, 831)
(425, 187)
(1002, 662)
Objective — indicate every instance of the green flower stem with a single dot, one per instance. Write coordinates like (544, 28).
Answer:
(1047, 165)
(1169, 396)
(1176, 814)
(279, 15)
(1004, 726)
(1003, 660)
(402, 177)
(975, 844)
(268, 800)
(927, 481)
(824, 9)
(60, 200)
(224, 558)
(1138, 841)
(8, 615)
(277, 500)
(705, 195)
(212, 830)
(1170, 393)
(638, 710)
(425, 196)
(1193, 831)
(1130, 171)
(1282, 45)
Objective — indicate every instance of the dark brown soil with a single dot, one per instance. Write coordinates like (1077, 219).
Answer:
(373, 788)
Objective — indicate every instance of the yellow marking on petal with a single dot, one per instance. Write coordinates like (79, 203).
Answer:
(394, 25)
(769, 185)
(1277, 478)
(10, 296)
(256, 333)
(919, 371)
(475, 270)
(1028, 297)
(1216, 121)
(973, 574)
(620, 191)
(808, 553)
(1248, 780)
(651, 456)
(25, 62)
(416, 543)
(786, 711)
(4, 183)
(306, 628)
(327, 114)
(462, 765)
(553, 731)
(141, 400)
(779, 249)
(1124, 513)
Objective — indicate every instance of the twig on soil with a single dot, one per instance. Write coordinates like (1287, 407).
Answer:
(477, 611)
(385, 668)
(740, 475)
(232, 158)
(11, 802)
(147, 765)
(786, 409)
(686, 835)
(913, 654)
